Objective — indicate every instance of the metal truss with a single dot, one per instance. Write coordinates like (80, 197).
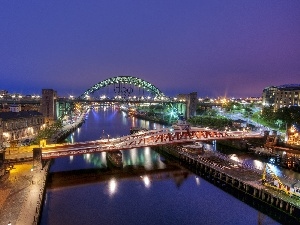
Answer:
(124, 80)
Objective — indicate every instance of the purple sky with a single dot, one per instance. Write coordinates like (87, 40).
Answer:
(234, 48)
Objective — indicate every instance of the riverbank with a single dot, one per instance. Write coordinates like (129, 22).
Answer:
(23, 184)
(241, 181)
(67, 129)
(21, 193)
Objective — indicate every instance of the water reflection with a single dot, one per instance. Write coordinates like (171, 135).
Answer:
(146, 181)
(197, 180)
(142, 157)
(112, 187)
(152, 189)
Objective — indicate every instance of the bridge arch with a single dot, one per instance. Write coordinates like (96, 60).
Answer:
(126, 80)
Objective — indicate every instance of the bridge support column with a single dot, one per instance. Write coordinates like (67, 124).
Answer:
(37, 158)
(2, 156)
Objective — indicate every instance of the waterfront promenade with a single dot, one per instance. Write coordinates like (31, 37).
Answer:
(21, 193)
(22, 188)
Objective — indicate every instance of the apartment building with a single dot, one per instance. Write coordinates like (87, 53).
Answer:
(281, 96)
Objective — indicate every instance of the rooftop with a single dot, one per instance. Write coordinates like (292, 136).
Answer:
(22, 114)
(289, 86)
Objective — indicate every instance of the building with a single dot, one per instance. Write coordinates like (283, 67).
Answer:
(1, 134)
(287, 95)
(15, 108)
(3, 92)
(16, 126)
(282, 96)
(268, 96)
(26, 103)
(48, 105)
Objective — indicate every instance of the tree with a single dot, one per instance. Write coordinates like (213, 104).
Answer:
(288, 115)
(232, 106)
(267, 114)
(279, 123)
(248, 112)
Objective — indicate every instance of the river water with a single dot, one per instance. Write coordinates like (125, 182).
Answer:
(147, 190)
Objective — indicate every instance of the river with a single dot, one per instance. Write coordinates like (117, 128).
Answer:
(148, 189)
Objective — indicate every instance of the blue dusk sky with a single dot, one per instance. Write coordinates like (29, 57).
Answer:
(232, 48)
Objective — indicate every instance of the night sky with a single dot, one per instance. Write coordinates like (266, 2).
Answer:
(230, 48)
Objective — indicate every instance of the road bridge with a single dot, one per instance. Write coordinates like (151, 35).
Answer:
(144, 139)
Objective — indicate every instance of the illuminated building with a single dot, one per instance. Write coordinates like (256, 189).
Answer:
(282, 96)
(293, 135)
(15, 126)
(268, 96)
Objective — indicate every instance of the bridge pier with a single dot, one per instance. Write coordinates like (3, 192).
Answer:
(2, 156)
(37, 158)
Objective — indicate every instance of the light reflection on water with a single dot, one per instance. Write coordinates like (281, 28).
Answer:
(157, 196)
(137, 157)
(112, 187)
(142, 157)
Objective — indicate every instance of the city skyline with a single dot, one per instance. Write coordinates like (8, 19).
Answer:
(216, 48)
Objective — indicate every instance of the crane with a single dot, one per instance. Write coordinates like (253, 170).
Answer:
(276, 185)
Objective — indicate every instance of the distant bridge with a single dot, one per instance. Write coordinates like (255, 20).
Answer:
(122, 89)
(144, 139)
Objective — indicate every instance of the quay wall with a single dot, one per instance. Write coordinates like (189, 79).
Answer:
(267, 202)
(65, 132)
(242, 144)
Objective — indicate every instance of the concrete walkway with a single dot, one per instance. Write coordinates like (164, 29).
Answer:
(21, 193)
(21, 190)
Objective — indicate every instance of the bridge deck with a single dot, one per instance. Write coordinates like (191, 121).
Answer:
(144, 139)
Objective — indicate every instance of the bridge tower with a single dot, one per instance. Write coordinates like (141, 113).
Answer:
(37, 157)
(48, 108)
(191, 103)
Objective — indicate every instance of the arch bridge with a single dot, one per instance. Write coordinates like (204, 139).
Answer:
(121, 90)
(124, 87)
